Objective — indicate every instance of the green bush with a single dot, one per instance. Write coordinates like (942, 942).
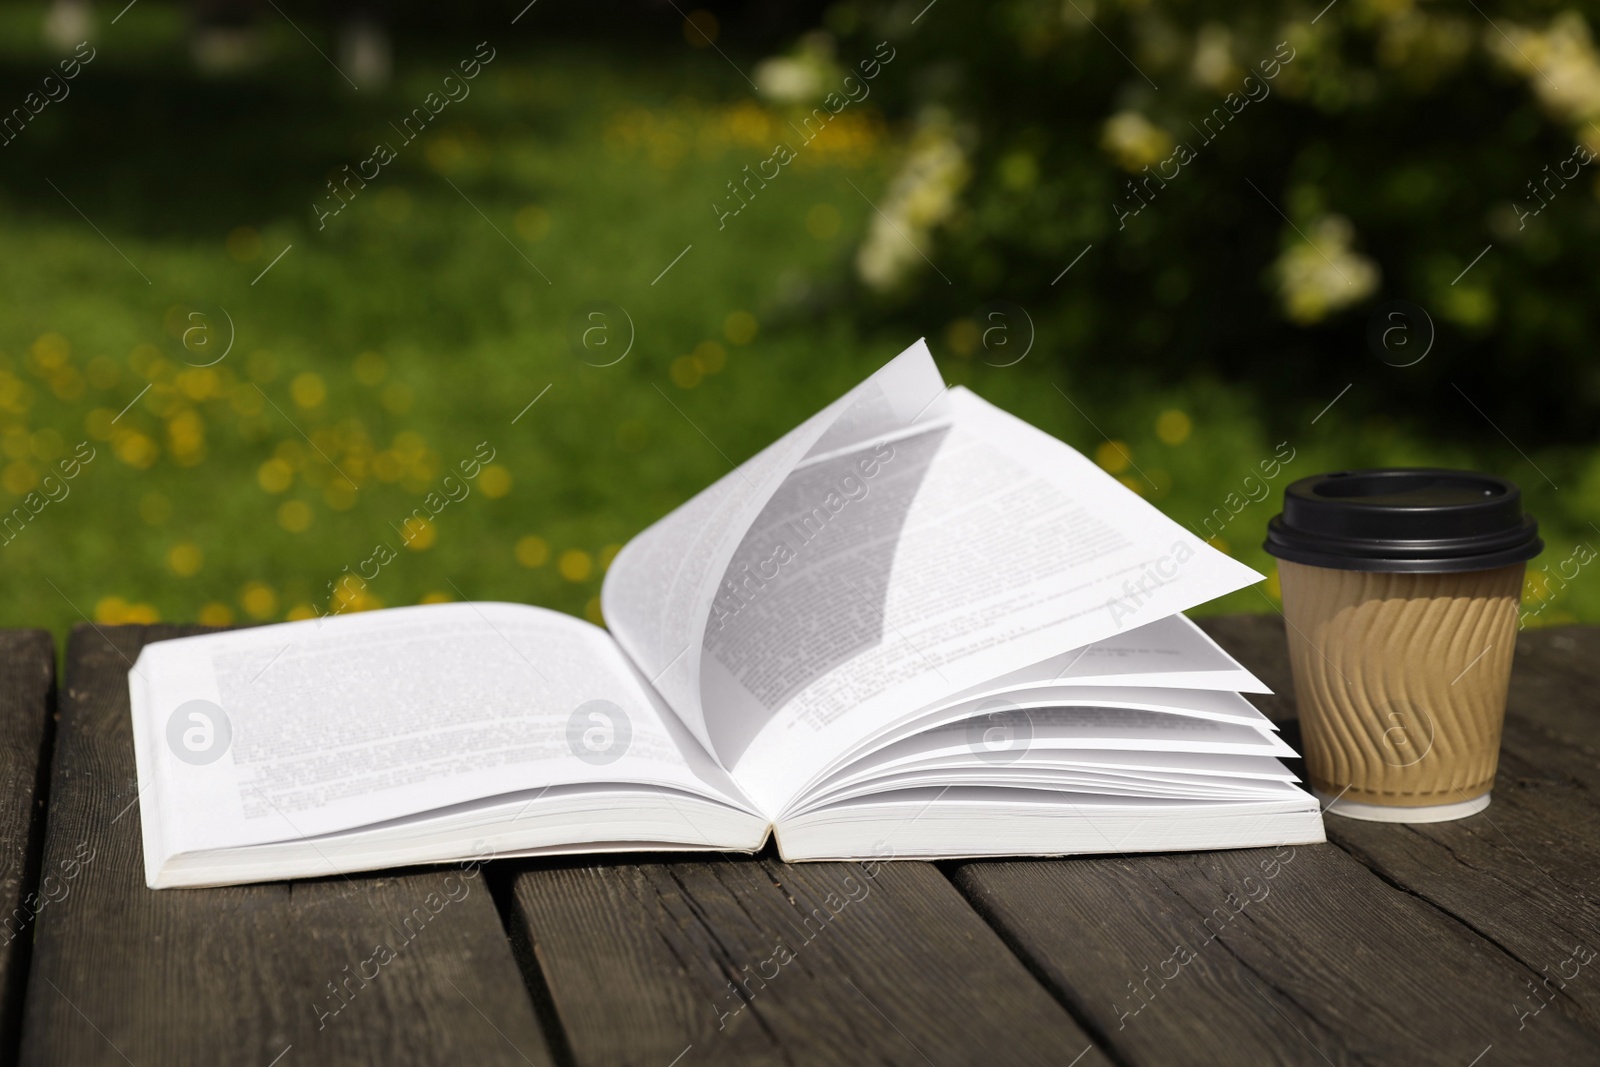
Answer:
(1254, 182)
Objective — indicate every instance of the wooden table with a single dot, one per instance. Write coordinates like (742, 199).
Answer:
(1470, 943)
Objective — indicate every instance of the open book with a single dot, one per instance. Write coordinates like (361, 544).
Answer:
(912, 627)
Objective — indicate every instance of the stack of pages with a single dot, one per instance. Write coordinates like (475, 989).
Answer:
(912, 627)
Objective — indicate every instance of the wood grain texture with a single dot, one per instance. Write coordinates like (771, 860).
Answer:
(835, 963)
(27, 703)
(121, 973)
(1553, 680)
(1523, 874)
(1211, 958)
(1397, 944)
(1526, 872)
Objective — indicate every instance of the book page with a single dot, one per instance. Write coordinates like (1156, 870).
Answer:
(1163, 766)
(659, 590)
(312, 727)
(1197, 703)
(962, 822)
(1170, 652)
(1057, 729)
(946, 560)
(1170, 665)
(1193, 787)
(1058, 738)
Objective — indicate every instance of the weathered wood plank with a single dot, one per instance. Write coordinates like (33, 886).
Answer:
(1272, 956)
(752, 961)
(27, 702)
(1293, 956)
(1544, 822)
(1524, 872)
(1521, 874)
(330, 967)
(1553, 684)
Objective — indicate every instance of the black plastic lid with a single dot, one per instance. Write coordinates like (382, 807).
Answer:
(1412, 519)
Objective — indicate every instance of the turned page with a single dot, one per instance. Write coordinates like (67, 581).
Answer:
(1172, 653)
(881, 580)
(659, 590)
(308, 728)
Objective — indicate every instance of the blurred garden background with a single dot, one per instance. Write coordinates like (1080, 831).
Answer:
(1199, 241)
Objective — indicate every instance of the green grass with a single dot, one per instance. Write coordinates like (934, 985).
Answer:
(590, 170)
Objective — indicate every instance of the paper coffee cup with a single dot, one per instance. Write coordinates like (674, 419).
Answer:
(1401, 590)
